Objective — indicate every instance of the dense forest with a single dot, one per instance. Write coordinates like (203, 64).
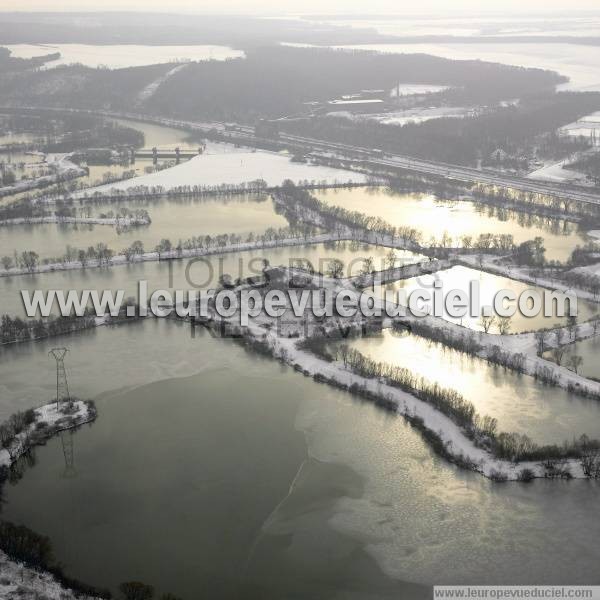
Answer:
(458, 141)
(10, 64)
(279, 81)
(78, 86)
(69, 131)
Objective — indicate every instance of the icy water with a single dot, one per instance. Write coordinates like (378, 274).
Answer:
(172, 219)
(547, 414)
(461, 278)
(121, 56)
(433, 216)
(195, 273)
(201, 475)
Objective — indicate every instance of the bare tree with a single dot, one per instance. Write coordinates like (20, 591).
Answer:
(7, 262)
(368, 266)
(336, 268)
(557, 354)
(541, 337)
(575, 361)
(504, 324)
(486, 322)
(391, 259)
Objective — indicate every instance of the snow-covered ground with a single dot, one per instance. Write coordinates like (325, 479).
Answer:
(55, 418)
(556, 171)
(409, 115)
(586, 126)
(62, 168)
(453, 437)
(151, 88)
(234, 168)
(18, 582)
(116, 221)
(121, 259)
(416, 89)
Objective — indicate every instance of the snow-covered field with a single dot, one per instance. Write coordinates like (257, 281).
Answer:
(235, 168)
(121, 56)
(410, 115)
(150, 89)
(62, 169)
(556, 171)
(414, 89)
(586, 126)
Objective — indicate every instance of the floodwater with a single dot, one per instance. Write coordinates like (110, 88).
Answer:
(165, 138)
(434, 216)
(159, 136)
(210, 479)
(460, 278)
(117, 56)
(589, 351)
(172, 219)
(195, 273)
(544, 413)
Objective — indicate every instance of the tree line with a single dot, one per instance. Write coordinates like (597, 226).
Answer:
(482, 430)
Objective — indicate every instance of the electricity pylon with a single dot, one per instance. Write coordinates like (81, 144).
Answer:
(62, 386)
(62, 395)
(66, 438)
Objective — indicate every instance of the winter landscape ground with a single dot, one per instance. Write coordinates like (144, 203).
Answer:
(168, 448)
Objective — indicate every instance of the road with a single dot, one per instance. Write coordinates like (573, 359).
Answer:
(245, 134)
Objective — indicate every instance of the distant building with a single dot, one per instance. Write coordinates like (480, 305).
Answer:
(358, 105)
(499, 155)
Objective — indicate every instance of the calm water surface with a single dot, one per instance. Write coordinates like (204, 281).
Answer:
(202, 272)
(547, 414)
(589, 351)
(460, 278)
(217, 481)
(175, 220)
(434, 216)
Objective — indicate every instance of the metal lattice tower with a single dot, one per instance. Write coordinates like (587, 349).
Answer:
(66, 438)
(62, 386)
(62, 395)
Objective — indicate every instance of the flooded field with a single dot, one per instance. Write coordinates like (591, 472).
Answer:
(434, 216)
(175, 220)
(520, 403)
(196, 273)
(588, 350)
(460, 278)
(327, 491)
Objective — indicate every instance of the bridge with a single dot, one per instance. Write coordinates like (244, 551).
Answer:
(244, 134)
(169, 153)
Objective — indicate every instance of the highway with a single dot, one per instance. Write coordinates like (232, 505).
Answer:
(245, 135)
(375, 157)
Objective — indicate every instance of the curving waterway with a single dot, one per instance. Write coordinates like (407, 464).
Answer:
(211, 478)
